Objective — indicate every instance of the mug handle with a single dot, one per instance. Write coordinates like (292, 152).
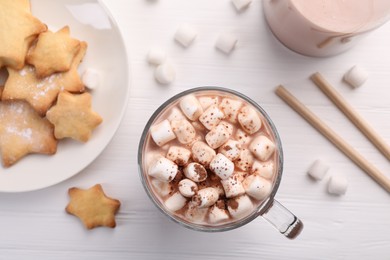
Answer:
(283, 220)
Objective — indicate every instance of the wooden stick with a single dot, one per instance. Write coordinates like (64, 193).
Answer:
(344, 147)
(352, 114)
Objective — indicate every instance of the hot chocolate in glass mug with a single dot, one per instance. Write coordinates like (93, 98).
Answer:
(211, 160)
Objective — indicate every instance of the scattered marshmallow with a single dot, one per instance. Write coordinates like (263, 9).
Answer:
(161, 187)
(187, 188)
(233, 186)
(179, 155)
(262, 147)
(202, 153)
(230, 108)
(184, 131)
(156, 56)
(195, 172)
(257, 187)
(211, 117)
(163, 169)
(195, 214)
(226, 42)
(356, 76)
(91, 78)
(242, 137)
(229, 127)
(162, 133)
(175, 202)
(217, 215)
(249, 120)
(206, 197)
(240, 5)
(185, 35)
(240, 207)
(245, 160)
(165, 73)
(222, 166)
(206, 101)
(337, 184)
(191, 107)
(218, 136)
(318, 170)
(231, 149)
(264, 169)
(175, 114)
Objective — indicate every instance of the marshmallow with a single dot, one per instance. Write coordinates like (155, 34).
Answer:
(161, 187)
(257, 187)
(211, 117)
(187, 188)
(356, 76)
(337, 185)
(217, 215)
(195, 214)
(206, 197)
(195, 172)
(226, 42)
(202, 153)
(191, 107)
(229, 127)
(183, 130)
(231, 149)
(217, 136)
(185, 35)
(240, 207)
(318, 170)
(90, 78)
(175, 114)
(163, 169)
(242, 137)
(264, 169)
(162, 133)
(245, 160)
(240, 5)
(179, 155)
(249, 120)
(156, 56)
(222, 166)
(206, 101)
(230, 108)
(175, 202)
(262, 147)
(165, 73)
(198, 126)
(233, 186)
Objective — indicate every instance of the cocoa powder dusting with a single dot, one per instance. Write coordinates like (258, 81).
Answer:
(233, 204)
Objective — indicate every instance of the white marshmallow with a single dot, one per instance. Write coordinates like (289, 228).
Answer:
(202, 153)
(162, 133)
(262, 147)
(233, 186)
(240, 5)
(161, 187)
(206, 197)
(231, 149)
(229, 127)
(179, 155)
(217, 136)
(264, 169)
(207, 101)
(211, 117)
(187, 188)
(175, 202)
(191, 107)
(226, 42)
(175, 114)
(217, 215)
(318, 170)
(242, 137)
(240, 207)
(91, 78)
(356, 76)
(156, 56)
(230, 108)
(257, 187)
(163, 169)
(185, 35)
(198, 126)
(222, 166)
(249, 120)
(195, 214)
(165, 73)
(337, 184)
(195, 172)
(184, 131)
(245, 160)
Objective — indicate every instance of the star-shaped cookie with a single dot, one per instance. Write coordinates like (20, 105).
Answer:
(73, 116)
(23, 131)
(93, 207)
(18, 29)
(53, 52)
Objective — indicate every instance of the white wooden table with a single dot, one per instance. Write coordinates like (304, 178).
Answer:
(34, 225)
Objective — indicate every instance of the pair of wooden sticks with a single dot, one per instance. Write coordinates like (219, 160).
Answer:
(332, 136)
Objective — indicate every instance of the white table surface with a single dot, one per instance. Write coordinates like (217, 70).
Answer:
(34, 225)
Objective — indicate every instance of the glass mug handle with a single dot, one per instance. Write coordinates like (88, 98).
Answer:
(283, 220)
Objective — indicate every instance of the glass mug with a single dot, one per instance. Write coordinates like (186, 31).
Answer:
(324, 28)
(269, 208)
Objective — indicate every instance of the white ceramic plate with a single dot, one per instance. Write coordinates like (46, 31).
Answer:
(89, 21)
